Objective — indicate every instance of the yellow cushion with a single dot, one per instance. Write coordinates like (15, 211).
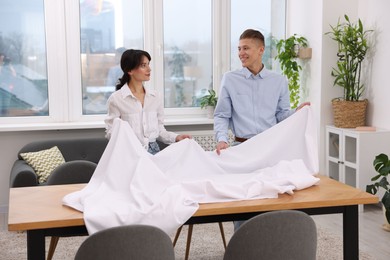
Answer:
(44, 162)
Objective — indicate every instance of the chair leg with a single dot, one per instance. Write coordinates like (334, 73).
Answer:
(52, 247)
(189, 236)
(222, 233)
(177, 236)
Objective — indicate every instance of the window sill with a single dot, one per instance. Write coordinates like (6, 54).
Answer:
(94, 125)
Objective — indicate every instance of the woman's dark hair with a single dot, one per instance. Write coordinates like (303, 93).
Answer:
(131, 59)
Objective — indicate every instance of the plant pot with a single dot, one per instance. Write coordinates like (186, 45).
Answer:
(304, 53)
(386, 225)
(210, 112)
(349, 114)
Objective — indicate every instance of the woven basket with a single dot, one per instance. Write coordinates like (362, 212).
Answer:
(349, 114)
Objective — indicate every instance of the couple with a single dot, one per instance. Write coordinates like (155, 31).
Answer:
(164, 190)
(251, 99)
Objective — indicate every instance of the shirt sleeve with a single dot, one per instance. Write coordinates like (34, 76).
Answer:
(164, 135)
(283, 110)
(112, 113)
(223, 113)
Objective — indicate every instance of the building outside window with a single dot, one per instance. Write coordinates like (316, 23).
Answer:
(23, 67)
(107, 28)
(187, 51)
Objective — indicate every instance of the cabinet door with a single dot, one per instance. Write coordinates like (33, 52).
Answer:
(334, 153)
(349, 162)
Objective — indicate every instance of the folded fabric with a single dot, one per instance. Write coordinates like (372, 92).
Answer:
(130, 186)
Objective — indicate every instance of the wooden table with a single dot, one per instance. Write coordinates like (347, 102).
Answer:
(39, 211)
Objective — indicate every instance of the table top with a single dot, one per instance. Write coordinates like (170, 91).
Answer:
(41, 207)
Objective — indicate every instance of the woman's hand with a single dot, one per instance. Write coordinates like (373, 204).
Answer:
(181, 137)
(302, 105)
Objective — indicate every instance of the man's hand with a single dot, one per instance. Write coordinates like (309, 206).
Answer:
(181, 137)
(220, 146)
(302, 105)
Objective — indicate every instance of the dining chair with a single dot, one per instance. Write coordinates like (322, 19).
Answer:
(276, 235)
(138, 242)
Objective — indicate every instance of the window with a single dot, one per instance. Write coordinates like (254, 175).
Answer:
(60, 61)
(23, 68)
(267, 16)
(107, 29)
(187, 51)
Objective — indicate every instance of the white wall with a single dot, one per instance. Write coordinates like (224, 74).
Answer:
(375, 15)
(312, 20)
(308, 18)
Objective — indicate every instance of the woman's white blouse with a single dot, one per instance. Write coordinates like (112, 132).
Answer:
(147, 122)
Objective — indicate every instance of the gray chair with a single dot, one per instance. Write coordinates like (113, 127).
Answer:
(276, 235)
(139, 242)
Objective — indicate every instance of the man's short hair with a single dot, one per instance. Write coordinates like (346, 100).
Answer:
(253, 34)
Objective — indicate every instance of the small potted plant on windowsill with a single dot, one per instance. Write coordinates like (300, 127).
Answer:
(209, 102)
(382, 167)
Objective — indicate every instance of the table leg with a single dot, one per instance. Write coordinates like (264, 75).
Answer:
(351, 232)
(35, 245)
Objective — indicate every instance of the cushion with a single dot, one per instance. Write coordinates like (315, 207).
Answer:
(44, 162)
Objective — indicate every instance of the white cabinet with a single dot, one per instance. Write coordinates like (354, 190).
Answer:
(350, 154)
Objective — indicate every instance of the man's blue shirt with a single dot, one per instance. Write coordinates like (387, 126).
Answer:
(249, 104)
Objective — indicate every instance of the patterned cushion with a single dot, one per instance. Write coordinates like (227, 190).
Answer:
(44, 162)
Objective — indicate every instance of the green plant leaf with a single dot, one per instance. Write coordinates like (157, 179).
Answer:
(209, 100)
(351, 39)
(286, 56)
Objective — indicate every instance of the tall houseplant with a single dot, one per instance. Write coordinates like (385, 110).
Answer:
(287, 50)
(352, 42)
(380, 181)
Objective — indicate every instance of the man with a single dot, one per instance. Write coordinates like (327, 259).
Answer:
(252, 99)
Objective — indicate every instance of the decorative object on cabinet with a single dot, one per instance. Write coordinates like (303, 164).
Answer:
(288, 51)
(382, 167)
(349, 154)
(352, 40)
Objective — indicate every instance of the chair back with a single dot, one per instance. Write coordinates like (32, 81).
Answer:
(276, 235)
(72, 172)
(138, 242)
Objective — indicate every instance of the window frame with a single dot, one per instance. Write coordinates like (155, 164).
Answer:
(62, 23)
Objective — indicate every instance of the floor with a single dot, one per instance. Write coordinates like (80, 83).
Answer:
(373, 239)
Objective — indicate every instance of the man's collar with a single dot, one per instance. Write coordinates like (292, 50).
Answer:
(262, 74)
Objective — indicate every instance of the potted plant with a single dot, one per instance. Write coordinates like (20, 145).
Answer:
(209, 102)
(382, 167)
(351, 38)
(288, 52)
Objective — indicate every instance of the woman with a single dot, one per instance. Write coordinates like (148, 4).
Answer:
(141, 108)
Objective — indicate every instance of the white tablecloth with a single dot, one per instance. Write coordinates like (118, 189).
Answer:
(130, 186)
